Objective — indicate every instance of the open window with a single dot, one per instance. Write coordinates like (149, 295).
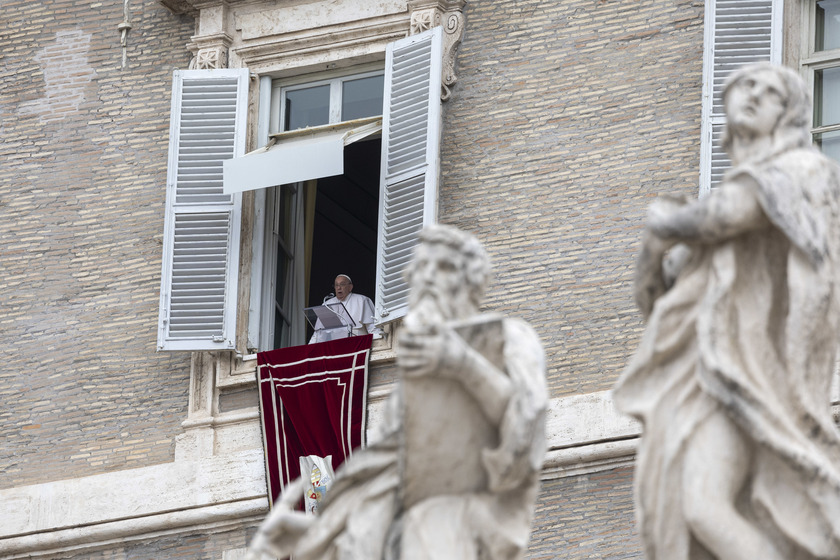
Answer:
(346, 189)
(316, 229)
(354, 164)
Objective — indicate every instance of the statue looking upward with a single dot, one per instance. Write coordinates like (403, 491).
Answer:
(740, 455)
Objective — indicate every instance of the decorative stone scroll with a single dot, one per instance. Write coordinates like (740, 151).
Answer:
(426, 14)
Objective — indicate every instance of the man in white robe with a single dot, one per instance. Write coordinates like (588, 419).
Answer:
(359, 308)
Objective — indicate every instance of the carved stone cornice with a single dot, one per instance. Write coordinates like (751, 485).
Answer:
(179, 7)
(193, 7)
(270, 37)
(321, 47)
(426, 14)
(209, 51)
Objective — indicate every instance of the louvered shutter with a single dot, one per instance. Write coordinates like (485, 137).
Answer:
(738, 32)
(410, 162)
(201, 233)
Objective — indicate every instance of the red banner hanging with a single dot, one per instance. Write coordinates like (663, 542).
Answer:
(312, 402)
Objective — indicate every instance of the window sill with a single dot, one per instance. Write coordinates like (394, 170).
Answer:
(244, 367)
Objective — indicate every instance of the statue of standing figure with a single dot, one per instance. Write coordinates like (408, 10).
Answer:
(453, 474)
(740, 455)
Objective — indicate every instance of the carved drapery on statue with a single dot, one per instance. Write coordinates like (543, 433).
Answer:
(740, 456)
(454, 471)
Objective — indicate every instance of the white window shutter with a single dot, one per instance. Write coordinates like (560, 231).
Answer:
(738, 32)
(201, 233)
(410, 162)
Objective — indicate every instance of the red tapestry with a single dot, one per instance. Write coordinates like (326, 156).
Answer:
(312, 402)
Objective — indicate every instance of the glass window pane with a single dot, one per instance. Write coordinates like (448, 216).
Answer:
(307, 107)
(827, 21)
(362, 98)
(829, 143)
(827, 96)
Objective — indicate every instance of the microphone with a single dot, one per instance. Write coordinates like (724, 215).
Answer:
(326, 297)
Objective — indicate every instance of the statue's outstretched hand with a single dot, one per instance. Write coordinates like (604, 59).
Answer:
(281, 530)
(650, 279)
(661, 215)
(430, 351)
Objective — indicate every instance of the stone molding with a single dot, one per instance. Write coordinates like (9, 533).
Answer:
(290, 38)
(210, 48)
(316, 50)
(268, 38)
(215, 518)
(208, 58)
(97, 511)
(214, 483)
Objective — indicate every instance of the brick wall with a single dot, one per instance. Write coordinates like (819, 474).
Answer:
(82, 190)
(567, 119)
(589, 516)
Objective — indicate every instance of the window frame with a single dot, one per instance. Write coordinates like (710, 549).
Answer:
(282, 232)
(811, 61)
(334, 79)
(410, 172)
(391, 287)
(262, 294)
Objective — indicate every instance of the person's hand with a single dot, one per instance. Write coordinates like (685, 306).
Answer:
(430, 351)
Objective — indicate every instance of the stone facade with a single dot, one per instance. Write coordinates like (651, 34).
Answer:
(566, 118)
(82, 389)
(215, 544)
(586, 516)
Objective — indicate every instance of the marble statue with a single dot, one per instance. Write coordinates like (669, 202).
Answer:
(740, 456)
(454, 471)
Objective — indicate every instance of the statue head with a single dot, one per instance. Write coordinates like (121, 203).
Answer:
(448, 274)
(764, 99)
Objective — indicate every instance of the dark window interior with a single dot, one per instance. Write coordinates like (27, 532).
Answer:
(345, 229)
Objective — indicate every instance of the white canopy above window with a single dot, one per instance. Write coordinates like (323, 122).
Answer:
(299, 155)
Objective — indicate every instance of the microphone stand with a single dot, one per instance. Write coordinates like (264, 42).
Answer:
(349, 327)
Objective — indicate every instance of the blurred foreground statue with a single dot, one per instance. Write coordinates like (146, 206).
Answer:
(455, 471)
(740, 456)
